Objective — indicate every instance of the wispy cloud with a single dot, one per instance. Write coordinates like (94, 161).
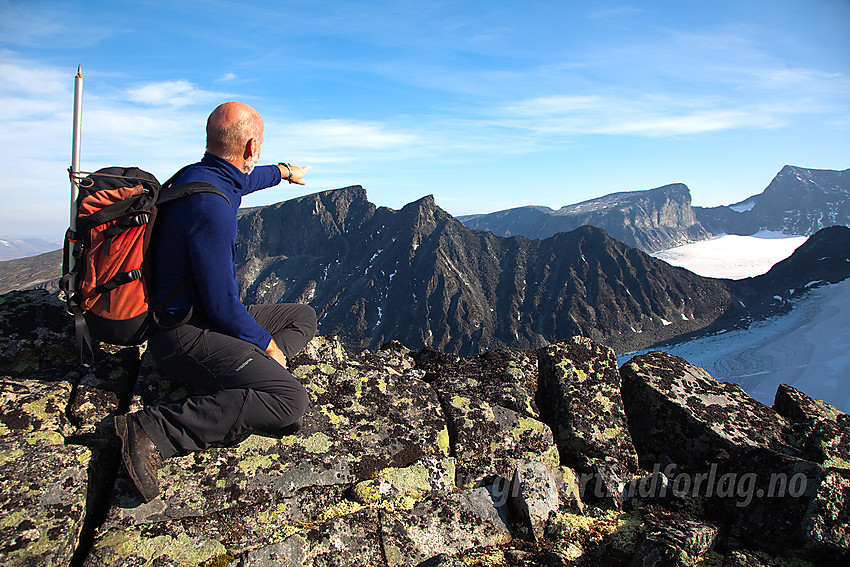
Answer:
(170, 93)
(644, 116)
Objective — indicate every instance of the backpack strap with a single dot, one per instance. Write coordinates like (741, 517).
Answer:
(185, 190)
(168, 194)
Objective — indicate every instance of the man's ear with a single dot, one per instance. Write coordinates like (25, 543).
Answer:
(252, 146)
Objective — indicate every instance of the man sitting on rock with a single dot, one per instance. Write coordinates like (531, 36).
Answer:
(235, 355)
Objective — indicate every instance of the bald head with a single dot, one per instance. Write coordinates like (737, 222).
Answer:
(235, 133)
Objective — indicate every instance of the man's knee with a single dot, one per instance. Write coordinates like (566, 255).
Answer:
(300, 402)
(308, 319)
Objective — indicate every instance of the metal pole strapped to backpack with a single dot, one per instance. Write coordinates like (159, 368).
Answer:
(75, 165)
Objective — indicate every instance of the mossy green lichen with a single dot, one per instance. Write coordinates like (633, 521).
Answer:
(444, 441)
(318, 442)
(180, 550)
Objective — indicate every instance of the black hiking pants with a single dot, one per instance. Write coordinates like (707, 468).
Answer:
(242, 388)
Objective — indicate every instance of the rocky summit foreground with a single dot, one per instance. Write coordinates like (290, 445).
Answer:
(551, 457)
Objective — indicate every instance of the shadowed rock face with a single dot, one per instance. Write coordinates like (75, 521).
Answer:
(419, 276)
(422, 458)
(797, 201)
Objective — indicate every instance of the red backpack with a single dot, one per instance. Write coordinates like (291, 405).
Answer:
(105, 288)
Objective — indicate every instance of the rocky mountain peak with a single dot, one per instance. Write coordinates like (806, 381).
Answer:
(797, 201)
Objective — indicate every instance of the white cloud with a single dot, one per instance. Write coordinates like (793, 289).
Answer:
(170, 93)
(648, 115)
(335, 135)
(227, 77)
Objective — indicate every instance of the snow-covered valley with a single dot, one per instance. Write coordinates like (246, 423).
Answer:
(731, 256)
(807, 348)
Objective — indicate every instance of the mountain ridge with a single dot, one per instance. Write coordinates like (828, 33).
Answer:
(420, 276)
(651, 220)
(797, 201)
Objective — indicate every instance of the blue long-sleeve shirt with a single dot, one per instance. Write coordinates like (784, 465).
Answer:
(196, 236)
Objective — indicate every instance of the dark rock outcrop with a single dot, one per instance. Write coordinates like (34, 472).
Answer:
(399, 463)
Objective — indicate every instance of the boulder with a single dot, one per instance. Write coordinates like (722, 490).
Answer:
(821, 431)
(503, 377)
(579, 396)
(673, 540)
(36, 337)
(677, 409)
(534, 497)
(490, 441)
(740, 455)
(43, 501)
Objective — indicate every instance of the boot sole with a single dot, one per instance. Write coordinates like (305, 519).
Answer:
(123, 432)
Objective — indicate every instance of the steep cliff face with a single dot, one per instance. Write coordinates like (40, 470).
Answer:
(648, 220)
(797, 201)
(419, 276)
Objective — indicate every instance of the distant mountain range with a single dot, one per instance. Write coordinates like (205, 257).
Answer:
(798, 201)
(650, 220)
(422, 277)
(11, 248)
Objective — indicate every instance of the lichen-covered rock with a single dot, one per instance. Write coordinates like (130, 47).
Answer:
(743, 558)
(820, 431)
(43, 501)
(36, 337)
(788, 506)
(602, 538)
(534, 496)
(362, 420)
(569, 488)
(604, 482)
(446, 524)
(504, 377)
(352, 540)
(490, 441)
(677, 409)
(240, 529)
(27, 406)
(137, 546)
(580, 397)
(103, 390)
(674, 539)
(406, 486)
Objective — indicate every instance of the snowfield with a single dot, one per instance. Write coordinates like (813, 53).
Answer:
(733, 257)
(808, 348)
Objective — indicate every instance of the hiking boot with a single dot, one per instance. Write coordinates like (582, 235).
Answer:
(140, 455)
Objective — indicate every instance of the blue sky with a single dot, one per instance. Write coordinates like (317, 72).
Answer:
(484, 104)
